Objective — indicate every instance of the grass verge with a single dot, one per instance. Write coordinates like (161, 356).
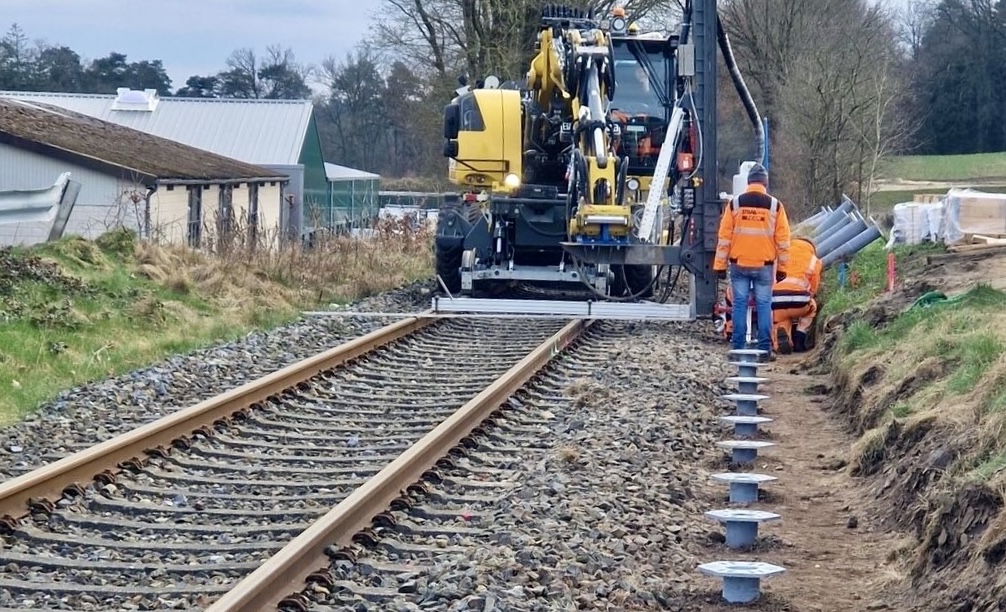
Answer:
(866, 275)
(76, 310)
(924, 387)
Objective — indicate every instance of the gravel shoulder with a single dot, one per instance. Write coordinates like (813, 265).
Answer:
(85, 415)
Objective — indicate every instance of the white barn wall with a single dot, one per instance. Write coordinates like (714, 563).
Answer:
(270, 200)
(169, 214)
(101, 204)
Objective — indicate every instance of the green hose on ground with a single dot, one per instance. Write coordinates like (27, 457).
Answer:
(934, 298)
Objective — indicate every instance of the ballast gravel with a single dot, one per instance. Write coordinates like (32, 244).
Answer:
(85, 415)
(612, 518)
(608, 512)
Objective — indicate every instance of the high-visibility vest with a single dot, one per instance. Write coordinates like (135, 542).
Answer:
(807, 267)
(754, 232)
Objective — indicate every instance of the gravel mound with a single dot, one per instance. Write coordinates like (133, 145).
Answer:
(85, 415)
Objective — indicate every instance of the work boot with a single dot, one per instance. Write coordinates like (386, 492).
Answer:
(799, 341)
(783, 340)
(766, 357)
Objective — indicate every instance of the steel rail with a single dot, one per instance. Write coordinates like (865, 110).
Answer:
(52, 480)
(272, 582)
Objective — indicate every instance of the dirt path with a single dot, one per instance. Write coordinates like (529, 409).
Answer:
(905, 185)
(835, 561)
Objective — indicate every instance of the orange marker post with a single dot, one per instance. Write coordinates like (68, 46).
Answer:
(890, 272)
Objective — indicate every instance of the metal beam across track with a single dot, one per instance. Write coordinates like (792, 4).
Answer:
(625, 311)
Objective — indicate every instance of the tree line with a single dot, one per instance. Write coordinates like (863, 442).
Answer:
(845, 83)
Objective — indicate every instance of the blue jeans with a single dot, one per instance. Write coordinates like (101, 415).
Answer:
(742, 280)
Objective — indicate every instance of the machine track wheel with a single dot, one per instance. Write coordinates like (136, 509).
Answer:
(449, 268)
(448, 256)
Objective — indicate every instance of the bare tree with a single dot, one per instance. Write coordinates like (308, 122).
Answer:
(828, 84)
(482, 37)
(887, 129)
(914, 19)
(240, 80)
(769, 37)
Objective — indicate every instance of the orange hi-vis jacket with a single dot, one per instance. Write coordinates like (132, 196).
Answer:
(754, 232)
(804, 269)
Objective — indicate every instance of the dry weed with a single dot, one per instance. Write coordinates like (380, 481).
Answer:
(270, 274)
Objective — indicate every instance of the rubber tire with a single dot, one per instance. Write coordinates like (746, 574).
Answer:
(448, 259)
(449, 268)
(616, 284)
(636, 279)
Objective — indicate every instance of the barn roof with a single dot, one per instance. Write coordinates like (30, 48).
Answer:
(56, 131)
(270, 132)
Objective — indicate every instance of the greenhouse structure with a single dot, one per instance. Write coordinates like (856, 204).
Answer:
(352, 199)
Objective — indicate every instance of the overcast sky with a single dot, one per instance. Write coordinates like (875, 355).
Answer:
(194, 36)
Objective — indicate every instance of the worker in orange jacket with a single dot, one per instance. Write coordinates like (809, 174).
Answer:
(754, 243)
(793, 298)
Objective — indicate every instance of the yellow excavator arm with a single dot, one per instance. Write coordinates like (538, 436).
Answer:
(573, 69)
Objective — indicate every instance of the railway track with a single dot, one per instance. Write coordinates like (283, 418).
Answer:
(231, 504)
(448, 524)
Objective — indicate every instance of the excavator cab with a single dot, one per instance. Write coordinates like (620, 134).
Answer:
(643, 100)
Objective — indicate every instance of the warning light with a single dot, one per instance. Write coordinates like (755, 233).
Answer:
(685, 162)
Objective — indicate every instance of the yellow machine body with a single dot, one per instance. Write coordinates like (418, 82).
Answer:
(489, 140)
(539, 166)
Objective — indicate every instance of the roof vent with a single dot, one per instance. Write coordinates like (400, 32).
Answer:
(127, 99)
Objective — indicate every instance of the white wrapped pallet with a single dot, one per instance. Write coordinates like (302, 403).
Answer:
(916, 222)
(974, 212)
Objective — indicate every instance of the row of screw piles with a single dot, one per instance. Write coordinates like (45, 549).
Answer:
(742, 579)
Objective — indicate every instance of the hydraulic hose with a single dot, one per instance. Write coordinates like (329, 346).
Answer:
(686, 21)
(742, 89)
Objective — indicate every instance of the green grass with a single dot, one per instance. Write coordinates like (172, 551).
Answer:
(947, 167)
(972, 352)
(995, 400)
(976, 353)
(76, 311)
(988, 468)
(870, 268)
(58, 332)
(902, 410)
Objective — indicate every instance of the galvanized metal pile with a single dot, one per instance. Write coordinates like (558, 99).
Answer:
(742, 579)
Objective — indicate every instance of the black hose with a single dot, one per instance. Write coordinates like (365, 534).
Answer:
(686, 21)
(742, 90)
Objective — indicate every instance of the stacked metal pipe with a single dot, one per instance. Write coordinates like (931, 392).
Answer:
(839, 232)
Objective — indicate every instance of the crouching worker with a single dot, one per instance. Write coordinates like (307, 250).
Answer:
(794, 306)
